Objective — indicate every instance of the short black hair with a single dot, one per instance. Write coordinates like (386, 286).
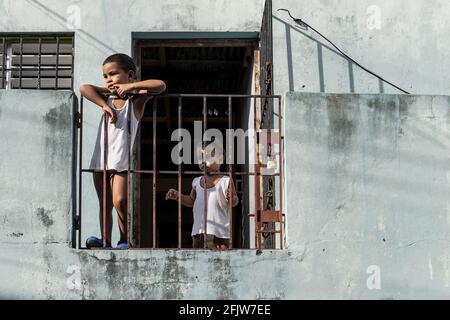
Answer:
(124, 61)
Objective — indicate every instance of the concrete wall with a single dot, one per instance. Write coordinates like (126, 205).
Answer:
(366, 175)
(36, 187)
(408, 47)
(366, 190)
(367, 180)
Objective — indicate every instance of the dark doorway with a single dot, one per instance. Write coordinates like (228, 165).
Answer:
(191, 67)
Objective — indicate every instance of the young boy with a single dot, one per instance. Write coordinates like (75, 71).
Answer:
(219, 190)
(119, 72)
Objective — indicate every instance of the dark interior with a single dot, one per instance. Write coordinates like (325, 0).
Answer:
(189, 68)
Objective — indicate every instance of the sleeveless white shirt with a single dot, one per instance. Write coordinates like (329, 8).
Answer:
(218, 218)
(117, 150)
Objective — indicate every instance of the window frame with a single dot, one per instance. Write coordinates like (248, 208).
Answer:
(8, 68)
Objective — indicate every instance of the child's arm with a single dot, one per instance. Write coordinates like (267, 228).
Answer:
(235, 200)
(145, 88)
(92, 93)
(186, 200)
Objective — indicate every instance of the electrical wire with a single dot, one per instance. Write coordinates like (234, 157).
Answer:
(305, 26)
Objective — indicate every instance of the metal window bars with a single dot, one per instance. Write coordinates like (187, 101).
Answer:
(36, 61)
(262, 218)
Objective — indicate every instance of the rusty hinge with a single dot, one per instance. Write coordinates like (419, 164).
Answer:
(78, 119)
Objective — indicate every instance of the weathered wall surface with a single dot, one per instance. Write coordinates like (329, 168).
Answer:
(403, 41)
(366, 175)
(366, 187)
(367, 180)
(35, 188)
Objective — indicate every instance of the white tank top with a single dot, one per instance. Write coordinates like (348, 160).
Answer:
(218, 218)
(117, 151)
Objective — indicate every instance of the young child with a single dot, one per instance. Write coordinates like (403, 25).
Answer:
(219, 189)
(119, 72)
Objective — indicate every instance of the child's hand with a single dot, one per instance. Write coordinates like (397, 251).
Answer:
(172, 194)
(110, 112)
(122, 89)
(227, 194)
(231, 194)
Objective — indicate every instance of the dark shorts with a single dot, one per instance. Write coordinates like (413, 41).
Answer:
(111, 173)
(212, 242)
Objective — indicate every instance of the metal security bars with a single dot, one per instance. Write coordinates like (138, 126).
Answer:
(36, 61)
(268, 143)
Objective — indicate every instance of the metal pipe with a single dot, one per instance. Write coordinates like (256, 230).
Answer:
(205, 199)
(128, 213)
(105, 162)
(80, 175)
(189, 95)
(257, 234)
(73, 58)
(168, 172)
(4, 63)
(280, 148)
(39, 63)
(176, 95)
(154, 174)
(20, 59)
(180, 106)
(57, 61)
(230, 200)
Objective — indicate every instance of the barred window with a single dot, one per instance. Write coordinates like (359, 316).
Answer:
(32, 61)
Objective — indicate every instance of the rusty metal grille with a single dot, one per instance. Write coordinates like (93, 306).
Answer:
(261, 217)
(36, 61)
(267, 119)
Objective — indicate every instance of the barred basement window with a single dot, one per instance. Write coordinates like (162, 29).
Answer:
(36, 61)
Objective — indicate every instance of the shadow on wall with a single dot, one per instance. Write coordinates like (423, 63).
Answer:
(320, 46)
(63, 21)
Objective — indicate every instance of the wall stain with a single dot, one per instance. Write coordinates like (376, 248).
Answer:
(44, 216)
(383, 126)
(383, 115)
(58, 117)
(182, 16)
(173, 273)
(58, 135)
(117, 276)
(16, 234)
(48, 261)
(343, 117)
(222, 278)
